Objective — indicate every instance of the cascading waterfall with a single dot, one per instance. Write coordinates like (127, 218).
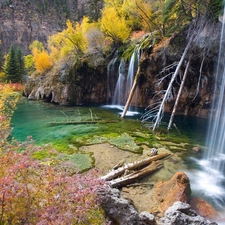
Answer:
(216, 132)
(124, 83)
(209, 180)
(119, 90)
(132, 70)
(214, 158)
(110, 75)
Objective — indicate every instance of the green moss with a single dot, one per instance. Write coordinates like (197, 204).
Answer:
(82, 161)
(45, 153)
(125, 142)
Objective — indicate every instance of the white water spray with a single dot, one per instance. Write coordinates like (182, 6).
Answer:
(210, 179)
(119, 90)
(110, 72)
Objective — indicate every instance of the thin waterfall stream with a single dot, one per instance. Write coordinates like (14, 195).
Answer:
(125, 81)
(118, 96)
(209, 178)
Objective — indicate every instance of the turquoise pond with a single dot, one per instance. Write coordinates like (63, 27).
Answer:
(32, 118)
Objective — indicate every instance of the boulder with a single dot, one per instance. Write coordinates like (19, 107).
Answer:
(181, 213)
(197, 149)
(203, 208)
(121, 211)
(176, 189)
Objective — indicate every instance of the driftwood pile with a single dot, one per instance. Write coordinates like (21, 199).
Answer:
(130, 172)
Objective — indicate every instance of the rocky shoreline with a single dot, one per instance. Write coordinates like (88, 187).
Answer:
(151, 201)
(121, 212)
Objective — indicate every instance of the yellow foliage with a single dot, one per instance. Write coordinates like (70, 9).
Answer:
(36, 45)
(54, 53)
(29, 63)
(114, 26)
(8, 100)
(72, 39)
(2, 75)
(42, 60)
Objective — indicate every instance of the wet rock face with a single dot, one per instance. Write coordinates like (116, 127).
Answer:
(121, 211)
(176, 189)
(67, 86)
(181, 213)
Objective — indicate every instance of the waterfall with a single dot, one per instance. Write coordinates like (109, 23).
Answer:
(119, 90)
(215, 155)
(124, 83)
(216, 133)
(110, 76)
(210, 179)
(132, 70)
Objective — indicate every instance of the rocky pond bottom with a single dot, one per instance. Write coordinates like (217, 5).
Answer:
(97, 137)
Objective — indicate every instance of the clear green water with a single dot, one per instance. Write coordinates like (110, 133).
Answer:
(32, 118)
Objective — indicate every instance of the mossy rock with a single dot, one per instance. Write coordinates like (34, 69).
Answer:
(81, 161)
(125, 142)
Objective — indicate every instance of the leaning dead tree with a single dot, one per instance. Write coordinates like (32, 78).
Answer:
(144, 54)
(178, 95)
(201, 35)
(130, 172)
(157, 115)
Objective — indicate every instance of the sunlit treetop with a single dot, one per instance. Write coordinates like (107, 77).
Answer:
(114, 26)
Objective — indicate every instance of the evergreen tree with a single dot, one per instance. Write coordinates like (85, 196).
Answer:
(14, 67)
(19, 65)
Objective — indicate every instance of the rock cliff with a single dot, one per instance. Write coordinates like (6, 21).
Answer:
(23, 21)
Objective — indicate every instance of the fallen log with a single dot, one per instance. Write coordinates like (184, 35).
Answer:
(127, 179)
(132, 166)
(79, 122)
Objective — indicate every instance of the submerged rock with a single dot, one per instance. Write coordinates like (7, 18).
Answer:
(181, 213)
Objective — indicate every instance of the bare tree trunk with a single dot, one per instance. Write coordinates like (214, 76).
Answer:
(132, 166)
(159, 114)
(144, 55)
(199, 78)
(178, 95)
(131, 93)
(127, 179)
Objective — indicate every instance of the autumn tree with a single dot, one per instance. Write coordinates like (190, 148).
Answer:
(41, 59)
(69, 41)
(8, 100)
(29, 64)
(114, 25)
(96, 41)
